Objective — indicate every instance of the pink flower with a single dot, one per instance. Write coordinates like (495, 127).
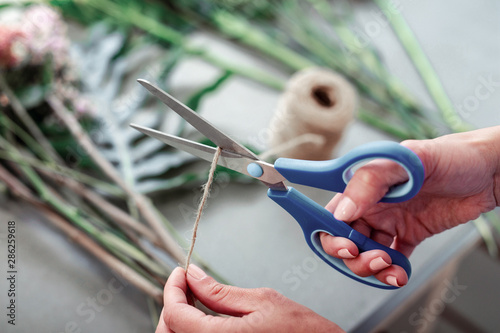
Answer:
(9, 53)
(46, 35)
(33, 36)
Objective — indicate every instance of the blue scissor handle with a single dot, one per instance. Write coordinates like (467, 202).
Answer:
(334, 174)
(313, 219)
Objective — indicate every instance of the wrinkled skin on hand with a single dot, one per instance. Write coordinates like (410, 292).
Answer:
(461, 174)
(462, 181)
(246, 310)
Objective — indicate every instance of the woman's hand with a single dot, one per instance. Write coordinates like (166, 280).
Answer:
(246, 310)
(461, 174)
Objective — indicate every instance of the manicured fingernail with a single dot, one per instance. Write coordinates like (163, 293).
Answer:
(345, 254)
(378, 264)
(196, 272)
(345, 209)
(392, 281)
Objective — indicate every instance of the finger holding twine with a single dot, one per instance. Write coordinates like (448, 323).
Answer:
(206, 193)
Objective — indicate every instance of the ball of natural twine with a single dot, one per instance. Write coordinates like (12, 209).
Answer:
(317, 103)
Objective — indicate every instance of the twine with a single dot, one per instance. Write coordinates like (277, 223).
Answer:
(315, 101)
(206, 193)
(312, 114)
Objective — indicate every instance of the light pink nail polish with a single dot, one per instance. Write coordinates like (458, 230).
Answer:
(392, 281)
(345, 254)
(345, 209)
(378, 264)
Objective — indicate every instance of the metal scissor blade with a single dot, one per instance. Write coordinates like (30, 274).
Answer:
(198, 122)
(233, 161)
(227, 159)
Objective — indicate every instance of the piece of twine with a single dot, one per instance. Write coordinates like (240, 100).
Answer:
(318, 104)
(313, 112)
(206, 193)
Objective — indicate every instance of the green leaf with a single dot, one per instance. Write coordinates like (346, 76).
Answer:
(194, 101)
(104, 77)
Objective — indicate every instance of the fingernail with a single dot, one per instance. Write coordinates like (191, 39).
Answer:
(344, 253)
(196, 272)
(378, 264)
(391, 279)
(345, 209)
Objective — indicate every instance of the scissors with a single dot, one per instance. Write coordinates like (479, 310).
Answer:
(330, 175)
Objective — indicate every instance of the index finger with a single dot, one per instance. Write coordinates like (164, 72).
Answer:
(368, 185)
(175, 291)
(177, 313)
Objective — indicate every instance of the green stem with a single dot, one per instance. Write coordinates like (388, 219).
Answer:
(485, 232)
(424, 68)
(360, 65)
(129, 250)
(494, 219)
(136, 267)
(24, 116)
(154, 314)
(382, 124)
(72, 213)
(151, 26)
(366, 54)
(58, 169)
(50, 165)
(33, 144)
(241, 30)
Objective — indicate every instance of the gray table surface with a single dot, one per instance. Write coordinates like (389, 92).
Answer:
(246, 237)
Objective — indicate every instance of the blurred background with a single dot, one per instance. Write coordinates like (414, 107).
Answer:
(101, 214)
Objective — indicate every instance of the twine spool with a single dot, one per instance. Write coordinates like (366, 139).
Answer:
(318, 103)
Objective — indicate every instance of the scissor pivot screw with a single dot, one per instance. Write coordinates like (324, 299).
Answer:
(255, 170)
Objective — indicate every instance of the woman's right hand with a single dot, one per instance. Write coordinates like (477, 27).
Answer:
(462, 180)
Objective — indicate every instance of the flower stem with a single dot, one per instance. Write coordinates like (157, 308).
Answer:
(77, 236)
(73, 214)
(424, 68)
(50, 165)
(23, 115)
(143, 203)
(151, 26)
(382, 124)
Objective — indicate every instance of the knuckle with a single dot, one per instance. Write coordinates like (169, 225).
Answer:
(219, 291)
(169, 318)
(358, 268)
(268, 300)
(366, 175)
(371, 180)
(328, 243)
(332, 245)
(419, 147)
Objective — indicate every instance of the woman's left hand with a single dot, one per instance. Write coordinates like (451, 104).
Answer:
(246, 310)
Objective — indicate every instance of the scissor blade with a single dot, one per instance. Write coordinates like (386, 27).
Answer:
(227, 159)
(216, 136)
(234, 161)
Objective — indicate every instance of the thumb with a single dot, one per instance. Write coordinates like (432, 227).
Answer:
(368, 185)
(219, 297)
